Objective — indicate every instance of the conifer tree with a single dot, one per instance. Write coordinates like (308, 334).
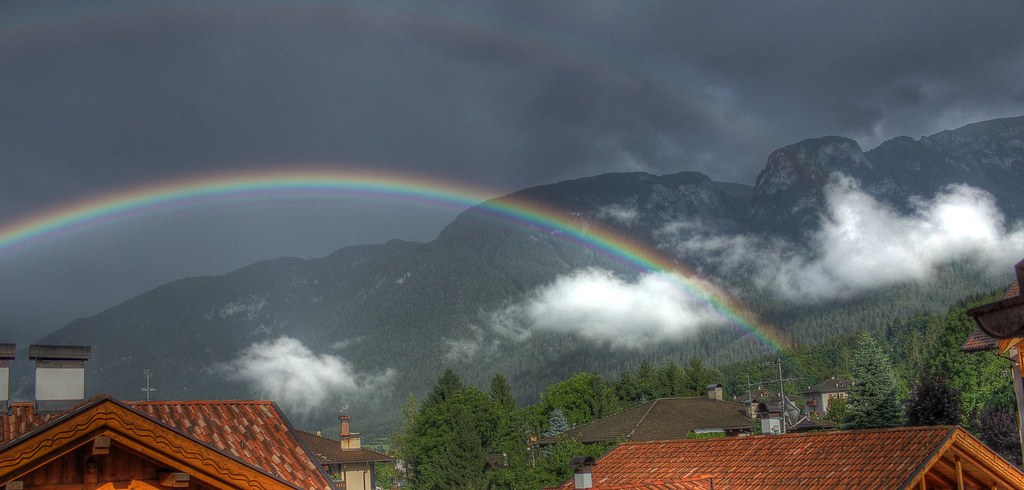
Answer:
(448, 385)
(502, 392)
(557, 423)
(874, 396)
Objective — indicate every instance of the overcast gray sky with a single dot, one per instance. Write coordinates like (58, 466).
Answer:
(97, 97)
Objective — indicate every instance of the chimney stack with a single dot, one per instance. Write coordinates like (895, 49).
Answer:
(60, 375)
(582, 477)
(7, 354)
(349, 440)
(715, 392)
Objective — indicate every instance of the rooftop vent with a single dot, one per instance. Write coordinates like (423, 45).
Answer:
(60, 375)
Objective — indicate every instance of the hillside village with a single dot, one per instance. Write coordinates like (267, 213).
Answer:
(645, 430)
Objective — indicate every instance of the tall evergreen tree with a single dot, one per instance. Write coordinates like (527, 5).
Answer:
(874, 396)
(502, 392)
(448, 385)
(698, 377)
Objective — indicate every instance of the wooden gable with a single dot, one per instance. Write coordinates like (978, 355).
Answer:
(965, 462)
(105, 444)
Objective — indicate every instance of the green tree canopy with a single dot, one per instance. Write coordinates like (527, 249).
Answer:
(874, 397)
(933, 402)
(583, 397)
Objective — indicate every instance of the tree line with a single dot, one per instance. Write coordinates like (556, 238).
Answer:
(911, 372)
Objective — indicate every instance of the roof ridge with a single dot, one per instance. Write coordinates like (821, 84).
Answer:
(931, 454)
(642, 417)
(831, 433)
(200, 402)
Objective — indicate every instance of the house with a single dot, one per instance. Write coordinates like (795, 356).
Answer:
(818, 397)
(107, 443)
(907, 457)
(57, 441)
(664, 418)
(776, 412)
(979, 341)
(350, 466)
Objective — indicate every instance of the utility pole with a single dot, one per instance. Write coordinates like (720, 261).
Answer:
(782, 389)
(147, 389)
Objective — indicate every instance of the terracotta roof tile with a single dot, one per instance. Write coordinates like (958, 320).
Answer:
(664, 418)
(884, 458)
(253, 432)
(231, 426)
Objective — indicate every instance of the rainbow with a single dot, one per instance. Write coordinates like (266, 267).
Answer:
(314, 183)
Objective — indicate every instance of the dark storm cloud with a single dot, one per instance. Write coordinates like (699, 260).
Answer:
(97, 96)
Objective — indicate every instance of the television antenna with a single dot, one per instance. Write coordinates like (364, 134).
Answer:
(148, 373)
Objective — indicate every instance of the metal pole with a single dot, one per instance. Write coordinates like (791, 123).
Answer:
(147, 389)
(782, 394)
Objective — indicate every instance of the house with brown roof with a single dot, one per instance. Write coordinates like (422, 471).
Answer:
(349, 465)
(817, 397)
(917, 458)
(664, 418)
(60, 441)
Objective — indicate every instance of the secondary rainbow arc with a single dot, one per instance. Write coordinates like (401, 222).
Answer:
(97, 212)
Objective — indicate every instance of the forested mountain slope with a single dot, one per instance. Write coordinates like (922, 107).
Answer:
(386, 319)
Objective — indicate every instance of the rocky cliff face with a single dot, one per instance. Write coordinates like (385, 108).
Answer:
(788, 193)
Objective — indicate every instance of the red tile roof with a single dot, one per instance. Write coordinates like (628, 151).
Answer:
(255, 433)
(664, 418)
(329, 451)
(883, 458)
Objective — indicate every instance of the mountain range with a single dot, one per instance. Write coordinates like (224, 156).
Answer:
(362, 328)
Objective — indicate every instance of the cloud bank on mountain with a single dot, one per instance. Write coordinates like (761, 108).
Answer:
(287, 371)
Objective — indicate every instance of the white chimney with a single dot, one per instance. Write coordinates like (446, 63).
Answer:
(7, 354)
(715, 392)
(582, 477)
(60, 375)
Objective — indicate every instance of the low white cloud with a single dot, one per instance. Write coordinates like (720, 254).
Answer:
(463, 349)
(288, 372)
(597, 305)
(864, 244)
(625, 215)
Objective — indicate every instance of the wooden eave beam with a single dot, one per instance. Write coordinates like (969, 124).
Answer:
(949, 481)
(985, 469)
